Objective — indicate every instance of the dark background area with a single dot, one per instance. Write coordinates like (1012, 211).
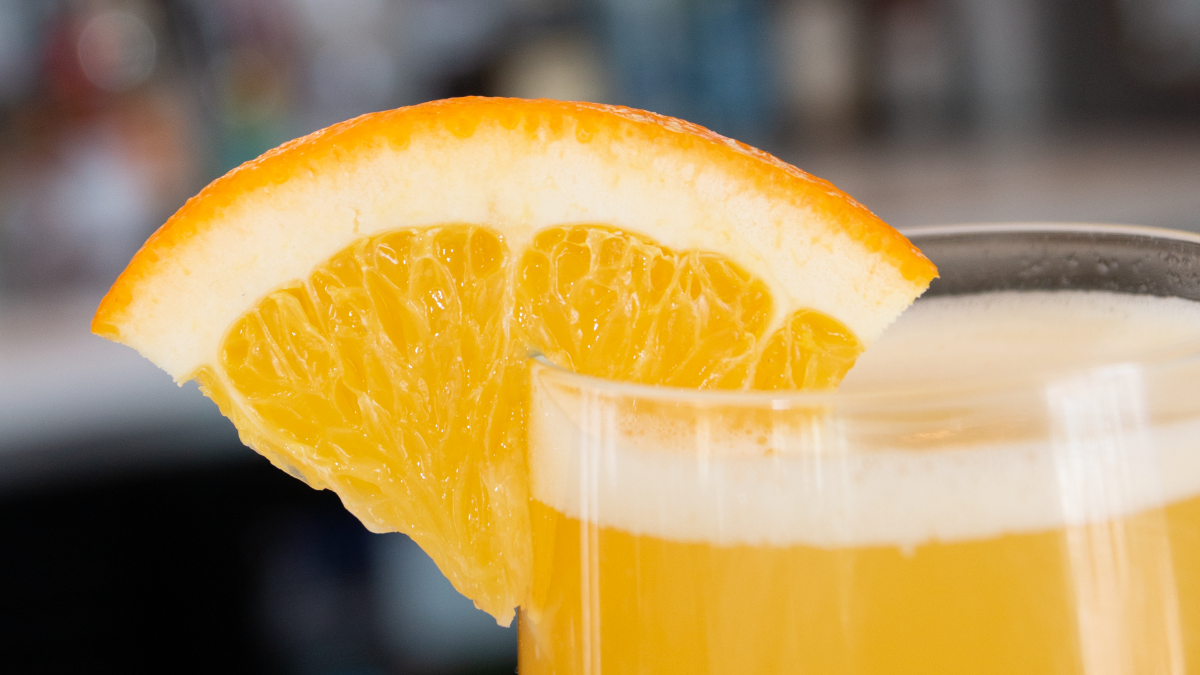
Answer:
(222, 564)
(137, 534)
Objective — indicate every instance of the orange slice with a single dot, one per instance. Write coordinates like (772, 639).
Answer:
(361, 301)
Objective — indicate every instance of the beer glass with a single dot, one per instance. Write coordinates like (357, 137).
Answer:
(1047, 522)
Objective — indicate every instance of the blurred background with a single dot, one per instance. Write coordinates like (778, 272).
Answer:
(137, 533)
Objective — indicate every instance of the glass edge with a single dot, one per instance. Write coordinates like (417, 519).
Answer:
(807, 399)
(1048, 226)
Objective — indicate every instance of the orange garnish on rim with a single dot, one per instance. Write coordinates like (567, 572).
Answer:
(361, 302)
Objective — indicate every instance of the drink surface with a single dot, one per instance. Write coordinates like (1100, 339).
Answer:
(1012, 335)
(1065, 546)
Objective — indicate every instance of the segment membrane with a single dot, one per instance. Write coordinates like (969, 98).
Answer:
(388, 376)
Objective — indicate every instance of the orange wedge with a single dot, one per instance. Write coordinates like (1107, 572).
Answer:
(361, 302)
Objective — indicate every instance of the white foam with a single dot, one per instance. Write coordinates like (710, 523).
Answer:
(1101, 452)
(1009, 335)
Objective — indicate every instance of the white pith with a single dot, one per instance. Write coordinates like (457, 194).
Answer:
(517, 186)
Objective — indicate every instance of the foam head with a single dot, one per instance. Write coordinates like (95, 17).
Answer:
(862, 469)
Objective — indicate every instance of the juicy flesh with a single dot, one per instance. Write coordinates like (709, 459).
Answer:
(396, 373)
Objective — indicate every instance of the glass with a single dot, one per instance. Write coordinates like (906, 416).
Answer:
(1046, 524)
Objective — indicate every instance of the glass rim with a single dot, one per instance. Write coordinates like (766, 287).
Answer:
(1049, 226)
(788, 399)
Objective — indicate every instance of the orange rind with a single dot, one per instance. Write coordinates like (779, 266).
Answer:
(361, 301)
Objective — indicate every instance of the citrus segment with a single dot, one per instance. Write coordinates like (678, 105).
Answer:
(811, 350)
(362, 302)
(613, 304)
(383, 377)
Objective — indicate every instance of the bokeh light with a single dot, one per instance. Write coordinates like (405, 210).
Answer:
(116, 50)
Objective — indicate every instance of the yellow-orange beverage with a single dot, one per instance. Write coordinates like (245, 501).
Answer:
(1064, 538)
